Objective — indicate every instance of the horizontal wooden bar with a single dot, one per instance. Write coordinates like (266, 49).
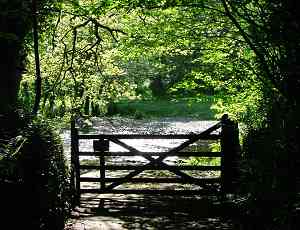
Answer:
(179, 154)
(152, 167)
(150, 191)
(148, 136)
(153, 180)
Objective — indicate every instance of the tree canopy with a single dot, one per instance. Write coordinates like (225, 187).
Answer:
(92, 52)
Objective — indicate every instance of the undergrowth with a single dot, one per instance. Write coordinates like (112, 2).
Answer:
(34, 177)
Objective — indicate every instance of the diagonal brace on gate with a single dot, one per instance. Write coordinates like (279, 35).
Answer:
(159, 161)
(152, 162)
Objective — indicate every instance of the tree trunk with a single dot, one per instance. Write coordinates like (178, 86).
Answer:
(10, 75)
(13, 28)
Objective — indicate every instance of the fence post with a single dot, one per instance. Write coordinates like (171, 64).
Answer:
(230, 149)
(75, 171)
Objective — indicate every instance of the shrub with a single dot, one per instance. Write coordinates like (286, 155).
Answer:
(266, 178)
(34, 178)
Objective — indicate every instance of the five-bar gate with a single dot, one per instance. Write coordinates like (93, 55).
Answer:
(228, 136)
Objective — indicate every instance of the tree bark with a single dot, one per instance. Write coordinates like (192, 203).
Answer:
(14, 25)
(10, 75)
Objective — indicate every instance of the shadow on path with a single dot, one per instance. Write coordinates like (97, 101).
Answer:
(105, 212)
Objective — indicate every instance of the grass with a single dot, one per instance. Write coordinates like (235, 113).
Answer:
(204, 146)
(138, 109)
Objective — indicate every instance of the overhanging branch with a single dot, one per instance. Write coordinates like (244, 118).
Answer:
(257, 52)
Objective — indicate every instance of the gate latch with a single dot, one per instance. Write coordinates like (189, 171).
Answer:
(101, 145)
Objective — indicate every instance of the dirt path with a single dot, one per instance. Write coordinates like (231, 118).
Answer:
(112, 212)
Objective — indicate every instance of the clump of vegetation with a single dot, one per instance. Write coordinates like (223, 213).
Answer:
(34, 178)
(204, 146)
(266, 181)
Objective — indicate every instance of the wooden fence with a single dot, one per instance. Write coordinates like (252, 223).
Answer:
(227, 135)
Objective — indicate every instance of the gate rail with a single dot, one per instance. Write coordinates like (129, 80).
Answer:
(229, 155)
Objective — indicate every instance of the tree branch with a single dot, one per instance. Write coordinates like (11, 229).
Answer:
(252, 46)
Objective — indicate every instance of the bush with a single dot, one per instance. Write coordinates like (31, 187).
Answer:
(267, 179)
(34, 179)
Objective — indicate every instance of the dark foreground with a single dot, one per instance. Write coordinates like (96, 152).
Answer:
(149, 212)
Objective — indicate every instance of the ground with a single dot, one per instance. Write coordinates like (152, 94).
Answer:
(120, 212)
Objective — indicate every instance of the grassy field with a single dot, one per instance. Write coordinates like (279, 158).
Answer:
(199, 109)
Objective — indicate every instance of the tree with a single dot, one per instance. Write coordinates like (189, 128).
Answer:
(15, 26)
(271, 29)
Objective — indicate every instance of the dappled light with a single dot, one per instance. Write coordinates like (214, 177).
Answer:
(151, 212)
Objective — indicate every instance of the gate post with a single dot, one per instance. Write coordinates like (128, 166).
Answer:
(75, 171)
(230, 148)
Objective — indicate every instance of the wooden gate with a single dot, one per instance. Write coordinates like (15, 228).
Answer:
(226, 131)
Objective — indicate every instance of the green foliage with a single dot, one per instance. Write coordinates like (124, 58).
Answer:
(45, 167)
(195, 53)
(34, 178)
(78, 68)
(92, 58)
(203, 161)
(97, 52)
(10, 152)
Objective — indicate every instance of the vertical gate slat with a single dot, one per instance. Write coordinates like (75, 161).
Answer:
(102, 172)
(100, 147)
